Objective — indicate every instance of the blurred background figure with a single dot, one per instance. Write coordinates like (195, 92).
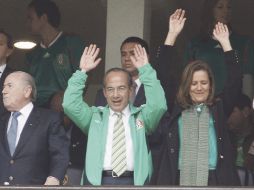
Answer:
(6, 49)
(241, 126)
(205, 47)
(53, 61)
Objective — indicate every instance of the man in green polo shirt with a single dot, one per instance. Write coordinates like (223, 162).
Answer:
(53, 61)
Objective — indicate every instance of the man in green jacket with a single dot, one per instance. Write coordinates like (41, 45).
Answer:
(117, 151)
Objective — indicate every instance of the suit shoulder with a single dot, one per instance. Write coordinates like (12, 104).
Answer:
(4, 116)
(9, 69)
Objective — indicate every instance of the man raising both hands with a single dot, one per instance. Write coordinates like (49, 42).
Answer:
(117, 150)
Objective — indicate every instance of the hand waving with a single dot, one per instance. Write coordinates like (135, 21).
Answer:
(88, 59)
(176, 23)
(140, 56)
(221, 33)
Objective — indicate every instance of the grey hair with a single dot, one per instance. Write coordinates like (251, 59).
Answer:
(29, 80)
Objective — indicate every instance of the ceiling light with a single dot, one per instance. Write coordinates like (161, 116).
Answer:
(24, 44)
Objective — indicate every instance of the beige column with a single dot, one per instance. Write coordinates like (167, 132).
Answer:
(125, 18)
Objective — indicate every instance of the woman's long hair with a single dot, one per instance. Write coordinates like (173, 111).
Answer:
(183, 94)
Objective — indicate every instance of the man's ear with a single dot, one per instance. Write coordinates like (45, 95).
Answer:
(132, 89)
(28, 91)
(44, 18)
(148, 57)
(104, 91)
(246, 111)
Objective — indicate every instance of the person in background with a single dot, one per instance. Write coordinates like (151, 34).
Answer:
(206, 48)
(34, 148)
(117, 150)
(6, 49)
(196, 148)
(241, 125)
(53, 61)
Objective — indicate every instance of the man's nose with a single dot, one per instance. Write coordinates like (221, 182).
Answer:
(115, 93)
(3, 91)
(127, 57)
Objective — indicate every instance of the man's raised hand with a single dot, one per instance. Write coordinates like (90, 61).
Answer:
(140, 57)
(89, 58)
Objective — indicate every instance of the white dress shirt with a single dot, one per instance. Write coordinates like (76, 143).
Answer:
(25, 112)
(2, 67)
(138, 83)
(128, 140)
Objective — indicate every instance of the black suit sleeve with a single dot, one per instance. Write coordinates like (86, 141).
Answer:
(233, 83)
(58, 146)
(165, 67)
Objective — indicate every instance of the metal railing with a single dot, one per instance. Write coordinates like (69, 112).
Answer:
(119, 188)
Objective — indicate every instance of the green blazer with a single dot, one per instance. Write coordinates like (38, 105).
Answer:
(94, 122)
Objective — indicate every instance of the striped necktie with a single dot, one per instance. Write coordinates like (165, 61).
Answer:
(118, 158)
(12, 133)
(133, 93)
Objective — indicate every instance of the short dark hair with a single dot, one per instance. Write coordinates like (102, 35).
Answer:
(8, 37)
(183, 95)
(243, 101)
(134, 39)
(49, 8)
(116, 69)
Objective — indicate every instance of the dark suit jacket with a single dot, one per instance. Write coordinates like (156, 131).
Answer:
(42, 150)
(6, 72)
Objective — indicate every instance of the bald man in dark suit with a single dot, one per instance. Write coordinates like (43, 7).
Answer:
(34, 149)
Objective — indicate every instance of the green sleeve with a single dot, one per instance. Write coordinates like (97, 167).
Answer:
(156, 104)
(74, 106)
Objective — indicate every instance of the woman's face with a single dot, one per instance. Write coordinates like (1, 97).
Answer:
(222, 11)
(200, 87)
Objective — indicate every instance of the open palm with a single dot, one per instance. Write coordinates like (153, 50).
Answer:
(140, 57)
(221, 32)
(89, 58)
(176, 21)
